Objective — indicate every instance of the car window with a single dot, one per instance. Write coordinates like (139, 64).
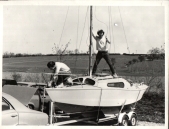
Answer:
(8, 82)
(5, 106)
(117, 85)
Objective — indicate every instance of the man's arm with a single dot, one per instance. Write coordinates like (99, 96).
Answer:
(93, 36)
(107, 40)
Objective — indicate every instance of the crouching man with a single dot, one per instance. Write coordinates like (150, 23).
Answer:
(61, 74)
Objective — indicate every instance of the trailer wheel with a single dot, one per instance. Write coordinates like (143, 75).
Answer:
(133, 120)
(30, 106)
(124, 121)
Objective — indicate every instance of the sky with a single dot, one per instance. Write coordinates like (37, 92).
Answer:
(40, 28)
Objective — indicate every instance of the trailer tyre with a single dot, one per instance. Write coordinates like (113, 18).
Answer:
(30, 106)
(124, 121)
(133, 120)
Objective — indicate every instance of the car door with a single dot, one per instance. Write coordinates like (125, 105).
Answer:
(9, 115)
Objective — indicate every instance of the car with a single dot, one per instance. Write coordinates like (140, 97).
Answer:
(8, 82)
(38, 98)
(15, 113)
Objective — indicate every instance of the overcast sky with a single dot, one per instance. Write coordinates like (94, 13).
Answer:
(38, 29)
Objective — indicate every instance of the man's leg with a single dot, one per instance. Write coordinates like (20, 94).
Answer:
(98, 58)
(107, 58)
(59, 80)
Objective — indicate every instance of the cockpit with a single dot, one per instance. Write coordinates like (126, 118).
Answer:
(83, 81)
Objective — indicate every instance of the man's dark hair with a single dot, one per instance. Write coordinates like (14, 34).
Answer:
(51, 64)
(100, 31)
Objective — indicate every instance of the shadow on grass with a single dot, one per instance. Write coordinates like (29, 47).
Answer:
(151, 108)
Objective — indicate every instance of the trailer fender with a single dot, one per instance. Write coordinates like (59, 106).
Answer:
(121, 115)
(130, 114)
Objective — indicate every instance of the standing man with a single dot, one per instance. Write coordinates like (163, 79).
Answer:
(61, 73)
(101, 46)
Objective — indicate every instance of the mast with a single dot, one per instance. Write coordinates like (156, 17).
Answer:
(90, 52)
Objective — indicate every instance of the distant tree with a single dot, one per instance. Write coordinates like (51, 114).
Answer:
(154, 51)
(150, 57)
(77, 51)
(8, 54)
(59, 51)
(70, 51)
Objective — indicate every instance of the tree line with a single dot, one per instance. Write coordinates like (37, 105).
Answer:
(154, 53)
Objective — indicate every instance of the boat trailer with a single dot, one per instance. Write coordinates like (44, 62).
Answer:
(122, 118)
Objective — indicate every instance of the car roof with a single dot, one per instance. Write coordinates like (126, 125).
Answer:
(32, 83)
(14, 102)
(18, 106)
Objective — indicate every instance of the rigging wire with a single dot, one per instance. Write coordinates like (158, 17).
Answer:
(124, 31)
(76, 50)
(101, 22)
(109, 28)
(83, 28)
(87, 35)
(112, 30)
(77, 27)
(63, 27)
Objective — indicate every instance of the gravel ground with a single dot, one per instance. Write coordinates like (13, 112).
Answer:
(144, 123)
(111, 123)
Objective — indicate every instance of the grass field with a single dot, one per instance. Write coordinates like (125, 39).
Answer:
(79, 64)
(149, 108)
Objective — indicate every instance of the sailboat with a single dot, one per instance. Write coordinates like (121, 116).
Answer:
(100, 94)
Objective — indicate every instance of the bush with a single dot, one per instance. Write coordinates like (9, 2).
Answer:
(135, 60)
(141, 58)
(16, 76)
(130, 62)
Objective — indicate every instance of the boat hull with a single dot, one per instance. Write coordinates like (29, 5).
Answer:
(87, 111)
(91, 96)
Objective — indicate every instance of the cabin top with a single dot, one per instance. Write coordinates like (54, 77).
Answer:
(105, 81)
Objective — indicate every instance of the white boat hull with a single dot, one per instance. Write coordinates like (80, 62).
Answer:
(90, 96)
(106, 94)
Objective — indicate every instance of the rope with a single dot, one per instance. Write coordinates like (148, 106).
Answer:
(101, 21)
(124, 31)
